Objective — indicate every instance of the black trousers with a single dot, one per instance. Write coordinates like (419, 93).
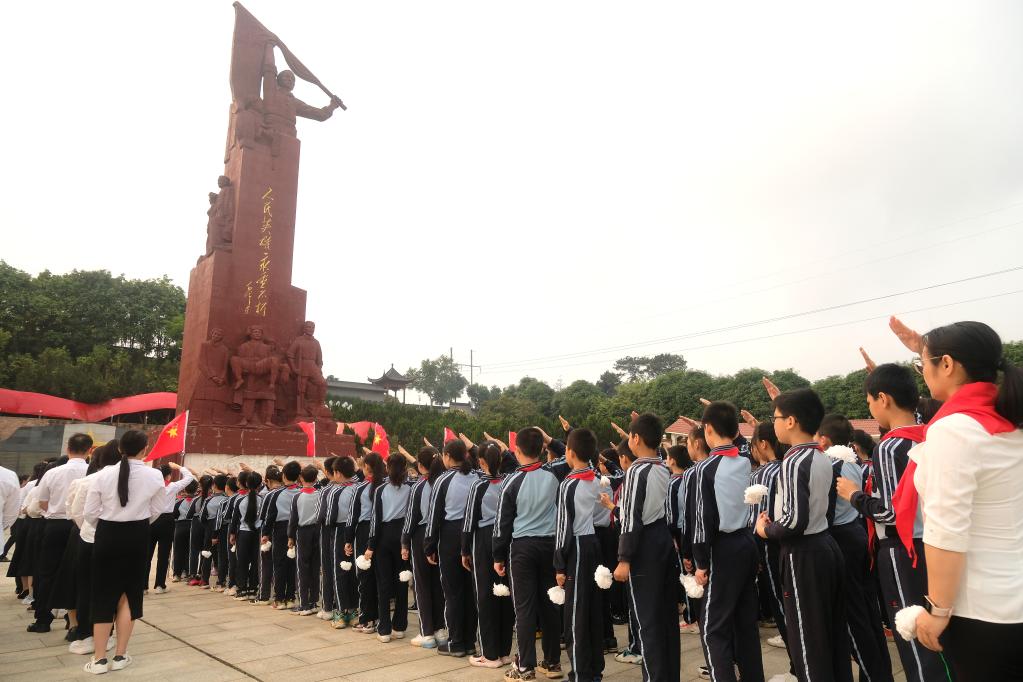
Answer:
(367, 579)
(246, 559)
(584, 631)
(283, 567)
(979, 651)
(264, 567)
(222, 557)
(612, 601)
(531, 572)
(426, 579)
(728, 629)
(206, 563)
(652, 579)
(345, 583)
(196, 532)
(83, 579)
(496, 615)
(388, 562)
(866, 636)
(812, 573)
(51, 551)
(327, 567)
(902, 586)
(161, 537)
(307, 565)
(459, 606)
(769, 579)
(11, 537)
(182, 529)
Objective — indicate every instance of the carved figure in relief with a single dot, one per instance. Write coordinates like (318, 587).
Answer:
(305, 358)
(255, 371)
(212, 394)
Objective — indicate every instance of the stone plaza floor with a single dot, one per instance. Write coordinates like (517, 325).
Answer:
(205, 636)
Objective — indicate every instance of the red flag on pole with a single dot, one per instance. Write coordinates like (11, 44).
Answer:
(511, 441)
(449, 435)
(310, 431)
(361, 430)
(381, 444)
(171, 440)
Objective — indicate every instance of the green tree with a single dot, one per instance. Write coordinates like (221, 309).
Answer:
(608, 383)
(644, 368)
(440, 379)
(479, 394)
(536, 392)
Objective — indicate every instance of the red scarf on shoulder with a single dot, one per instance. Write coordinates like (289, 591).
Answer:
(976, 401)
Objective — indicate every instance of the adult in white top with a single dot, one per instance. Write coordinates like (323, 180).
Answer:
(53, 486)
(10, 496)
(969, 476)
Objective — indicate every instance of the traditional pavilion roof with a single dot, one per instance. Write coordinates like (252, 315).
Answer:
(391, 380)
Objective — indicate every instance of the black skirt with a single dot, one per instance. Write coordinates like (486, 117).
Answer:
(64, 586)
(26, 549)
(120, 556)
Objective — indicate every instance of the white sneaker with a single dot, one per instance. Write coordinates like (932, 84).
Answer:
(777, 642)
(384, 638)
(398, 634)
(441, 636)
(784, 677)
(175, 579)
(424, 642)
(160, 590)
(120, 663)
(324, 615)
(81, 646)
(27, 601)
(230, 592)
(97, 667)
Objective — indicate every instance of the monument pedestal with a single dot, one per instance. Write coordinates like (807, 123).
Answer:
(203, 440)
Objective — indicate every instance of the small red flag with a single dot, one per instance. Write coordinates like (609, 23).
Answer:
(310, 432)
(449, 435)
(511, 441)
(381, 444)
(171, 440)
(361, 430)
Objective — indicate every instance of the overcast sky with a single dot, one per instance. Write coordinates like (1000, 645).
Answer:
(539, 181)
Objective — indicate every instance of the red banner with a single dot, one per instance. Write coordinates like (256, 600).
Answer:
(41, 405)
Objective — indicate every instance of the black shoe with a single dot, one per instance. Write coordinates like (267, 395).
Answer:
(72, 635)
(451, 649)
(22, 595)
(3, 557)
(619, 619)
(37, 627)
(611, 645)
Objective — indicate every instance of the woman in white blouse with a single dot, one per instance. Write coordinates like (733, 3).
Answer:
(122, 502)
(969, 476)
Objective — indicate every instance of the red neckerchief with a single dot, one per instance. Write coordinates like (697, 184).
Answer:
(725, 451)
(530, 467)
(291, 486)
(166, 482)
(583, 475)
(494, 480)
(976, 401)
(242, 491)
(308, 490)
(914, 433)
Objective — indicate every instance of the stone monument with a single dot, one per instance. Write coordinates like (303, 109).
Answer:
(250, 366)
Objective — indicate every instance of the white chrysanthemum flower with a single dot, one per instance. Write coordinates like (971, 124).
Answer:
(206, 553)
(501, 590)
(842, 452)
(345, 565)
(605, 482)
(693, 589)
(265, 547)
(754, 494)
(604, 577)
(363, 563)
(557, 595)
(905, 621)
(292, 553)
(405, 576)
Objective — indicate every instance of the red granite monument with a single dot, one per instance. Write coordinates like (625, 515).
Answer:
(250, 366)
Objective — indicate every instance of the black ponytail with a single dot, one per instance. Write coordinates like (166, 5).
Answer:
(131, 444)
(376, 466)
(396, 469)
(456, 450)
(253, 481)
(978, 348)
(205, 483)
(491, 454)
(122, 480)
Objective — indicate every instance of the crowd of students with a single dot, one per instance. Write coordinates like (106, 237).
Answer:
(808, 524)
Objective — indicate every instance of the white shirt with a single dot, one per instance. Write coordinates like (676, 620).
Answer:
(76, 506)
(171, 490)
(54, 484)
(145, 494)
(26, 489)
(971, 490)
(32, 503)
(10, 496)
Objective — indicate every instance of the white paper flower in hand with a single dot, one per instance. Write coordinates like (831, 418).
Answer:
(604, 577)
(345, 565)
(754, 494)
(292, 553)
(557, 595)
(265, 547)
(405, 576)
(693, 589)
(363, 563)
(501, 590)
(206, 554)
(605, 482)
(905, 621)
(234, 548)
(842, 452)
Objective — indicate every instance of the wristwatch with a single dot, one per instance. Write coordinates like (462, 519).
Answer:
(936, 610)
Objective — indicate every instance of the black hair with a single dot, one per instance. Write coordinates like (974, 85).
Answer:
(426, 456)
(804, 405)
(166, 470)
(624, 450)
(529, 441)
(456, 450)
(243, 480)
(193, 486)
(895, 381)
(291, 471)
(205, 483)
(723, 417)
(866, 443)
(273, 474)
(978, 348)
(765, 432)
(220, 481)
(700, 437)
(22, 479)
(328, 465)
(376, 465)
(309, 474)
(436, 469)
(649, 428)
(131, 443)
(79, 444)
(104, 456)
(38, 470)
(344, 466)
(491, 453)
(927, 408)
(837, 428)
(232, 483)
(253, 481)
(583, 443)
(397, 469)
(680, 456)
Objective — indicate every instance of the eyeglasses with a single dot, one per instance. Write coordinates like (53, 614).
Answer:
(918, 363)
(777, 416)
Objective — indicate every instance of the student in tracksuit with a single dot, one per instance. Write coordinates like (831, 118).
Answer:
(196, 531)
(182, 530)
(273, 485)
(390, 502)
(425, 576)
(496, 614)
(606, 526)
(724, 552)
(326, 492)
(674, 506)
(866, 637)
(244, 536)
(443, 547)
(577, 555)
(275, 529)
(357, 539)
(347, 605)
(304, 537)
(811, 562)
(225, 555)
(209, 517)
(161, 531)
(524, 549)
(892, 397)
(645, 551)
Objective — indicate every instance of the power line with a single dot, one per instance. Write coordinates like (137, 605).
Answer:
(745, 325)
(789, 333)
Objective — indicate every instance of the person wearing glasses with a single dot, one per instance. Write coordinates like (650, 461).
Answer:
(968, 481)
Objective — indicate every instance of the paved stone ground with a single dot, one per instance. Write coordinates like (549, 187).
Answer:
(204, 635)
